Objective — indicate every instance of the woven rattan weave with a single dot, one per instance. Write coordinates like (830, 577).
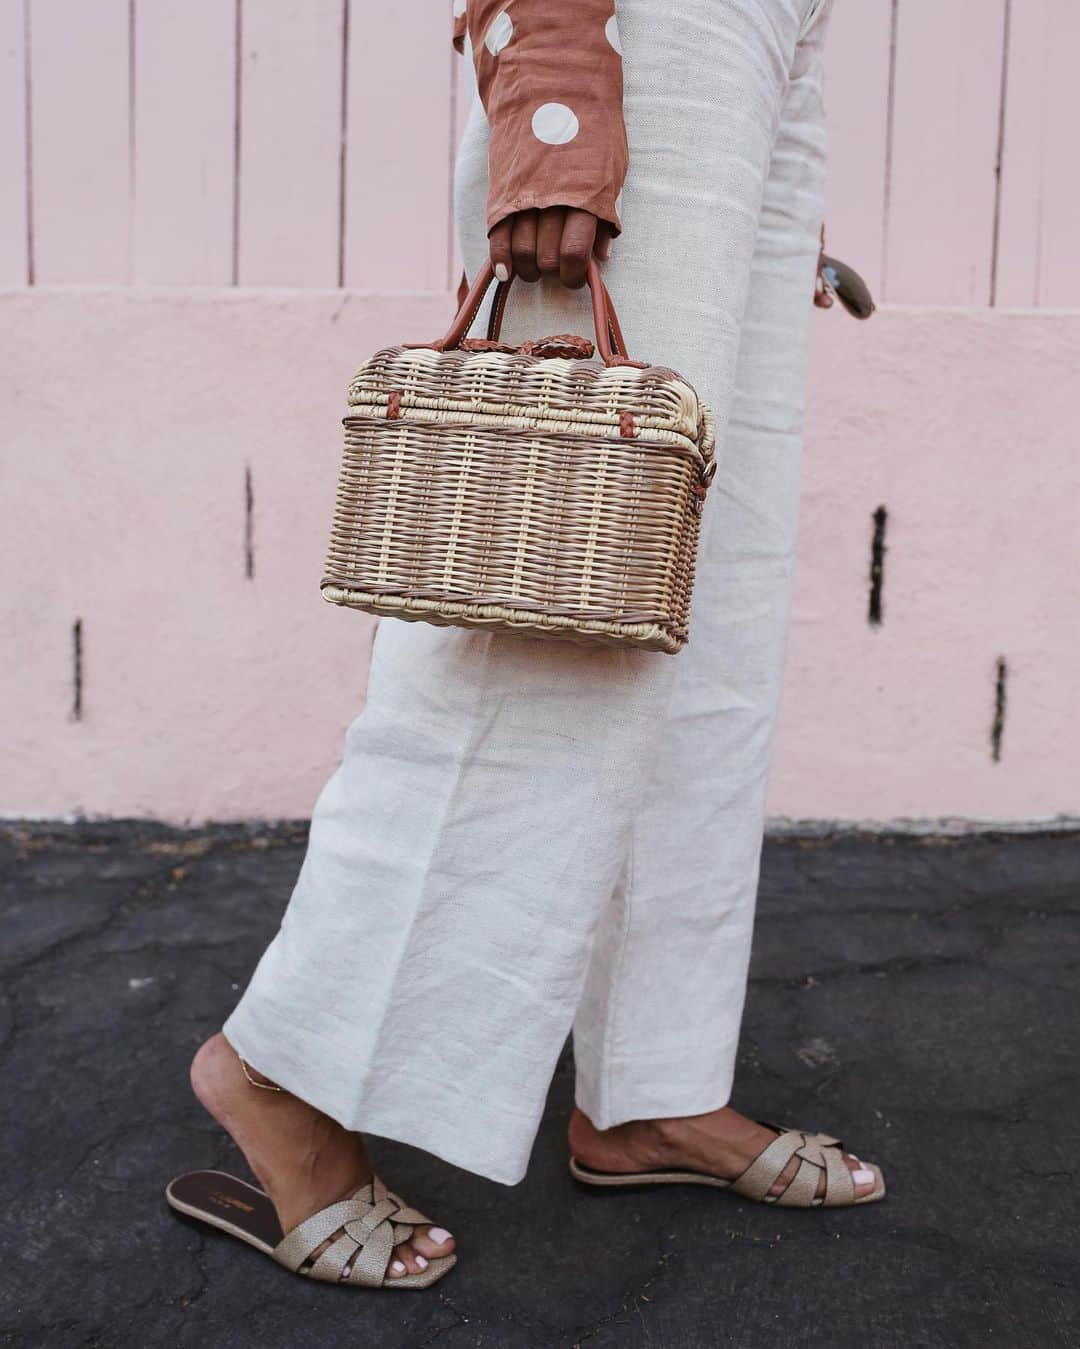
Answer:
(521, 490)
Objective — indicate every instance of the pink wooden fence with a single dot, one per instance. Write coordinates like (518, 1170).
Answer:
(261, 143)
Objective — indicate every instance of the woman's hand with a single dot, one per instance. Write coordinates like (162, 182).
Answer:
(556, 241)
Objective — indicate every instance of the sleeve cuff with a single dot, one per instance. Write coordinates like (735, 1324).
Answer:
(604, 205)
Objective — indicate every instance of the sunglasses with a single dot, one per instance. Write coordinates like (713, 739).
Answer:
(836, 278)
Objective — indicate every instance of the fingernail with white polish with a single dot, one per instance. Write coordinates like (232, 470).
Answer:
(398, 1267)
(501, 272)
(421, 1262)
(862, 1176)
(438, 1235)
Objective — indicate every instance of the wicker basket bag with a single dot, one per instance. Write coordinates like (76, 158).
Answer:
(534, 490)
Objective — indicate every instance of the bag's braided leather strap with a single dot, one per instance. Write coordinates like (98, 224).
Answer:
(817, 1154)
(365, 1229)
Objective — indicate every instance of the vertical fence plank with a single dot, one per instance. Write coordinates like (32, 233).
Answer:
(1023, 160)
(1038, 256)
(464, 92)
(857, 109)
(940, 224)
(464, 77)
(185, 110)
(290, 142)
(14, 260)
(80, 130)
(400, 142)
(1059, 251)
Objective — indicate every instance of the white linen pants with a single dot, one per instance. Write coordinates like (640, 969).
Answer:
(527, 835)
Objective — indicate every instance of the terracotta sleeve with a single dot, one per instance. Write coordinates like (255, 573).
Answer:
(550, 78)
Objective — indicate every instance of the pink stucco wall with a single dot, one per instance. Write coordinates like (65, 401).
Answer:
(189, 282)
(206, 693)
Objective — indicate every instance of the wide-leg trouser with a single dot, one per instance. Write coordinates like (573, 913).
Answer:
(524, 835)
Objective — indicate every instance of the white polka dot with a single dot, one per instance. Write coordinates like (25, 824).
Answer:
(500, 31)
(611, 32)
(459, 8)
(554, 124)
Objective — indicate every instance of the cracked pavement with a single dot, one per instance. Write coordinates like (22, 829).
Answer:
(914, 996)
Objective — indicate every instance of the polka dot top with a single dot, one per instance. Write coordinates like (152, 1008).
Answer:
(549, 74)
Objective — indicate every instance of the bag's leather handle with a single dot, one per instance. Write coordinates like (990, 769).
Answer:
(498, 308)
(609, 339)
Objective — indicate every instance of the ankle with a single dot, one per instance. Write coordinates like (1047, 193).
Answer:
(302, 1158)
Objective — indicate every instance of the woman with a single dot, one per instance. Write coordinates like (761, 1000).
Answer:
(526, 836)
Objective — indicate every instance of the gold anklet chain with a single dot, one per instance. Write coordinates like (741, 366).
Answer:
(263, 1086)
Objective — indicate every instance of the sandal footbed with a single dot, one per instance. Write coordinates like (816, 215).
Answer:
(633, 1180)
(243, 1211)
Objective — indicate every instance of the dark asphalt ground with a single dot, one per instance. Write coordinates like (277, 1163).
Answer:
(915, 996)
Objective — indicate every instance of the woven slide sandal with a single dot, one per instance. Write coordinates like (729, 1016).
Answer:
(362, 1230)
(817, 1154)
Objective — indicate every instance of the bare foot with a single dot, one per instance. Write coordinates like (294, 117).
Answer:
(303, 1159)
(720, 1143)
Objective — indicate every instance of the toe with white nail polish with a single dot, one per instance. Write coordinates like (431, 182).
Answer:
(862, 1176)
(438, 1235)
(421, 1262)
(398, 1267)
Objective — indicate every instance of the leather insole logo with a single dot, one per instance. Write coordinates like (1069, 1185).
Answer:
(229, 1201)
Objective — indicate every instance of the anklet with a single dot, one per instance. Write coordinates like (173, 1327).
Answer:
(263, 1086)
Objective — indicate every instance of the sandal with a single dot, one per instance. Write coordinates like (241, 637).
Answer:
(362, 1230)
(817, 1153)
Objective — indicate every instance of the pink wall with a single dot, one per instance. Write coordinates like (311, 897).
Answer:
(186, 336)
(209, 694)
